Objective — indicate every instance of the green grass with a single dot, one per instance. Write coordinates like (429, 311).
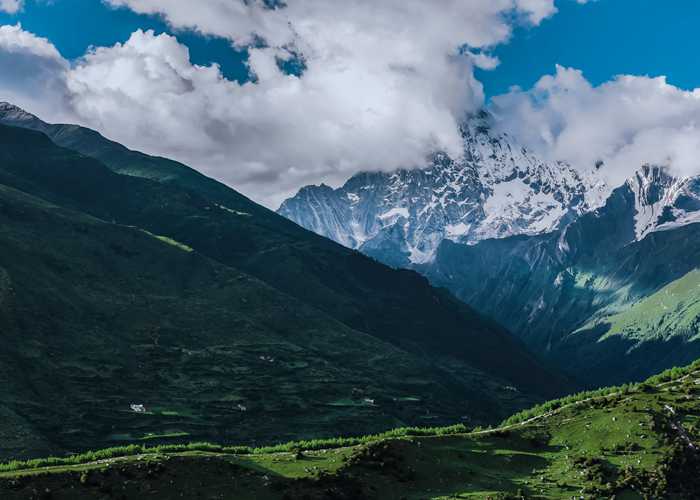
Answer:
(304, 445)
(621, 443)
(103, 305)
(170, 241)
(555, 404)
(672, 310)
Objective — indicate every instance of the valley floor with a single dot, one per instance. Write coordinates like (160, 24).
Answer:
(639, 441)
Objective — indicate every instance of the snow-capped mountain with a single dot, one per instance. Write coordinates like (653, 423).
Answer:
(663, 201)
(497, 189)
(564, 292)
(11, 114)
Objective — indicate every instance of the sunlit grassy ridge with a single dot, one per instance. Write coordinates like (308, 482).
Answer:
(170, 241)
(665, 376)
(303, 445)
(634, 441)
(672, 310)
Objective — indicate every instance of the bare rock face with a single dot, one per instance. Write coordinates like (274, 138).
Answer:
(662, 200)
(497, 189)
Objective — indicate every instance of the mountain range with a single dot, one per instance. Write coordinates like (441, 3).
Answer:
(599, 281)
(145, 308)
(497, 189)
(142, 301)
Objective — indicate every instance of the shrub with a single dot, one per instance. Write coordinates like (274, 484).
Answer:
(294, 447)
(615, 391)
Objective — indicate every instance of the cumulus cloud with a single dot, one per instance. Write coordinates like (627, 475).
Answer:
(37, 79)
(315, 22)
(625, 122)
(273, 135)
(10, 6)
(384, 83)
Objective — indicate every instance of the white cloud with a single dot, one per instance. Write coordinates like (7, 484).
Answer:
(11, 6)
(385, 83)
(625, 122)
(36, 73)
(536, 10)
(273, 135)
(13, 39)
(475, 22)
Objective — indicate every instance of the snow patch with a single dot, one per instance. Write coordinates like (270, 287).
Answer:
(454, 231)
(395, 212)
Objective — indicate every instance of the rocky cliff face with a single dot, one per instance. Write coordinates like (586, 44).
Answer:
(10, 113)
(497, 189)
(663, 201)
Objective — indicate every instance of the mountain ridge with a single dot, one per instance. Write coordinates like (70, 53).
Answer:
(497, 189)
(448, 359)
(595, 268)
(553, 282)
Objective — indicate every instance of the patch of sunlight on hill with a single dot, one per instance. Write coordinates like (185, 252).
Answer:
(671, 311)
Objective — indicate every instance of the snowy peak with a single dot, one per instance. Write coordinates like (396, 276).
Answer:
(11, 113)
(496, 189)
(663, 201)
(324, 212)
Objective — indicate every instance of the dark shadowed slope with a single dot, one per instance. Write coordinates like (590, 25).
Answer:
(605, 305)
(398, 306)
(98, 316)
(119, 289)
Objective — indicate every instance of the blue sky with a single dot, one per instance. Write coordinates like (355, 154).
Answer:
(74, 25)
(603, 38)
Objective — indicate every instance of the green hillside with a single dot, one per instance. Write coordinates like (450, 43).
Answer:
(674, 308)
(631, 442)
(396, 306)
(97, 316)
(651, 333)
(118, 290)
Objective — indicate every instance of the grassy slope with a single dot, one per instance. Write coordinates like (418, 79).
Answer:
(396, 306)
(99, 311)
(672, 309)
(639, 441)
(97, 316)
(650, 331)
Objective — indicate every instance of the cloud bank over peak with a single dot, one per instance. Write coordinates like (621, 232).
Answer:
(625, 122)
(381, 85)
(378, 86)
